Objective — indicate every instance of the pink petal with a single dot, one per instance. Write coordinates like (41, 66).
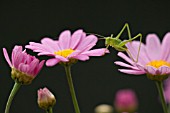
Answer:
(165, 49)
(64, 39)
(18, 56)
(87, 48)
(152, 70)
(34, 48)
(37, 47)
(7, 57)
(52, 44)
(86, 41)
(23, 68)
(164, 70)
(96, 52)
(122, 55)
(153, 47)
(75, 53)
(17, 50)
(129, 71)
(61, 58)
(52, 62)
(140, 67)
(46, 53)
(28, 59)
(41, 64)
(82, 57)
(125, 65)
(33, 65)
(76, 38)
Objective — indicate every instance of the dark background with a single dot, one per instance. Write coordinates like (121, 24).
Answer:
(97, 80)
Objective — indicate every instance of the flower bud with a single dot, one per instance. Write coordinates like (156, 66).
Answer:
(125, 101)
(45, 99)
(104, 108)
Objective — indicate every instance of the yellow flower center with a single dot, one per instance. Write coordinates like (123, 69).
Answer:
(65, 53)
(158, 63)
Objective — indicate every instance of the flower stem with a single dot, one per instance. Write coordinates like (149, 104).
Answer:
(50, 110)
(11, 96)
(70, 82)
(168, 108)
(160, 90)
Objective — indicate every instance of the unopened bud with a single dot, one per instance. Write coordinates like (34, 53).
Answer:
(45, 99)
(104, 108)
(126, 101)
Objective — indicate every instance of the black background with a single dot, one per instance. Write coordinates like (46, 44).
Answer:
(97, 80)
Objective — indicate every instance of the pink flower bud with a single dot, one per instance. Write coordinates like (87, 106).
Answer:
(45, 99)
(125, 101)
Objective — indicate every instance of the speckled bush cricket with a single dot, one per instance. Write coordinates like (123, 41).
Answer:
(118, 44)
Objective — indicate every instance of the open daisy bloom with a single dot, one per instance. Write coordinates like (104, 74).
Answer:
(154, 58)
(68, 48)
(24, 66)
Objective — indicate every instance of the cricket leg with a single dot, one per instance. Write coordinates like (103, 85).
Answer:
(128, 52)
(130, 40)
(140, 36)
(128, 30)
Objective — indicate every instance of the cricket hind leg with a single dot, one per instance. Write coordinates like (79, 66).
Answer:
(130, 55)
(127, 51)
(126, 26)
(130, 40)
(140, 36)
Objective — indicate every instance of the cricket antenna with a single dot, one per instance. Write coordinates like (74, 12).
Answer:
(97, 35)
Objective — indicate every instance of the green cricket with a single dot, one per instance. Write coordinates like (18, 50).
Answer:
(119, 45)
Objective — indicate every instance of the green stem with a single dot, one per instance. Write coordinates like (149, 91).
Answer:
(160, 90)
(11, 96)
(50, 110)
(168, 108)
(70, 82)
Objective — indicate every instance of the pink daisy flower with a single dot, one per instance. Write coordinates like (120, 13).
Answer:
(24, 66)
(154, 57)
(75, 46)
